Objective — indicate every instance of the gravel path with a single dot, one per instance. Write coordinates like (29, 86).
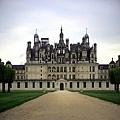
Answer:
(63, 105)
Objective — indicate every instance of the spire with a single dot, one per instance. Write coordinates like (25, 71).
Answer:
(86, 35)
(61, 34)
(61, 29)
(36, 31)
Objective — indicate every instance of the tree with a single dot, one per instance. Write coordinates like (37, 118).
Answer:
(2, 76)
(114, 76)
(11, 78)
(7, 75)
(117, 78)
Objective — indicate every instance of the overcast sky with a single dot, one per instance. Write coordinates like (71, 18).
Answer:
(20, 18)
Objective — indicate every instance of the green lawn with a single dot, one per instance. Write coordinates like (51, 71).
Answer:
(107, 95)
(15, 98)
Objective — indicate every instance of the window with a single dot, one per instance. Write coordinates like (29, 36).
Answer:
(78, 84)
(48, 84)
(73, 69)
(18, 77)
(21, 77)
(53, 85)
(100, 85)
(73, 56)
(105, 71)
(73, 76)
(40, 84)
(61, 69)
(70, 84)
(101, 77)
(65, 76)
(90, 68)
(61, 76)
(65, 69)
(69, 69)
(93, 76)
(73, 61)
(60, 59)
(33, 84)
(57, 76)
(105, 77)
(90, 76)
(107, 84)
(57, 69)
(26, 84)
(93, 68)
(92, 84)
(69, 76)
(18, 84)
(84, 84)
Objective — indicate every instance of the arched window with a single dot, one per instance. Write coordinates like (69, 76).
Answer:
(49, 69)
(73, 61)
(49, 76)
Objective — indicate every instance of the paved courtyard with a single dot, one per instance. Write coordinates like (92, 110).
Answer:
(63, 105)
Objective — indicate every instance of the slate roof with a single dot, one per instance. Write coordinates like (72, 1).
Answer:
(112, 62)
(8, 62)
(18, 67)
(103, 66)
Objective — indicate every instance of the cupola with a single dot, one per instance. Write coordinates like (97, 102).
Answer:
(36, 37)
(86, 35)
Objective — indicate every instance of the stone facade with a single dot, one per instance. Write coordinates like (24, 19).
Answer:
(61, 66)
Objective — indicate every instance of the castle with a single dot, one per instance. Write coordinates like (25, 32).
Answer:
(62, 66)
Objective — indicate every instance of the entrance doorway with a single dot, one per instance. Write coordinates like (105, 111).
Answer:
(61, 86)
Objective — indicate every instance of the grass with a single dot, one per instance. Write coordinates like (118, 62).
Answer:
(18, 97)
(107, 95)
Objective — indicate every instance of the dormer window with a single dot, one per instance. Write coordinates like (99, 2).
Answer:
(92, 56)
(73, 56)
